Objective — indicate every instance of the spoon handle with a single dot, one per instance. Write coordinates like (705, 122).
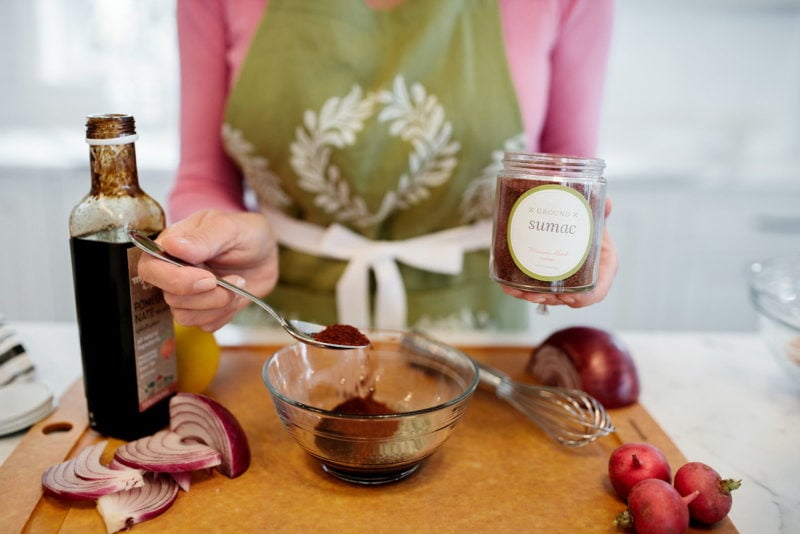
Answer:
(151, 247)
(300, 330)
(246, 294)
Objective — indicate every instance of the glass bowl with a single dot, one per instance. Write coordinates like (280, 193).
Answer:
(373, 415)
(775, 295)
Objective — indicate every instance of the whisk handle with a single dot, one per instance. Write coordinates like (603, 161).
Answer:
(490, 378)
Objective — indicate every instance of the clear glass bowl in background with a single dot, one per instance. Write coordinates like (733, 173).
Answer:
(775, 295)
(427, 385)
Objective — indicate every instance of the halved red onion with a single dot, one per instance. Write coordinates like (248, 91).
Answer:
(167, 452)
(590, 359)
(124, 509)
(199, 417)
(84, 477)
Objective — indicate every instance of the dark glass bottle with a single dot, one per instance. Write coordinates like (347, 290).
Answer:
(126, 332)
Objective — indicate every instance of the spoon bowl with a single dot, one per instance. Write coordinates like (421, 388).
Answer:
(302, 331)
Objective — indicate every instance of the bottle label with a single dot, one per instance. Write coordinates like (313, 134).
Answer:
(153, 338)
(549, 232)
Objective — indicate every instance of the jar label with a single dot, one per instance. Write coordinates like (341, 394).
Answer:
(153, 338)
(549, 232)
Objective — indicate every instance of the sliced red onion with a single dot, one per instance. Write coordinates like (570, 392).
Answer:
(84, 477)
(115, 464)
(183, 479)
(124, 509)
(199, 417)
(590, 359)
(167, 452)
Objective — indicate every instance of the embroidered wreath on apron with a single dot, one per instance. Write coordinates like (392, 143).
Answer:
(413, 115)
(265, 183)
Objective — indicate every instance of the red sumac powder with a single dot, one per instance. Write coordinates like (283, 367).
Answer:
(351, 432)
(548, 223)
(342, 334)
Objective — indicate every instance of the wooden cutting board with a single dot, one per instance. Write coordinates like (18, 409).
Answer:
(497, 473)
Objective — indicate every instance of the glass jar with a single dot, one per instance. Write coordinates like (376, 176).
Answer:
(548, 222)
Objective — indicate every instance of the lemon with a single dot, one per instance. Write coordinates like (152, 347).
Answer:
(197, 357)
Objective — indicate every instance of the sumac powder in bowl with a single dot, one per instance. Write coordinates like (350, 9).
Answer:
(548, 222)
(371, 415)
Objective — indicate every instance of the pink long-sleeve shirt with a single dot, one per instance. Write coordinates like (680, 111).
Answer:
(556, 51)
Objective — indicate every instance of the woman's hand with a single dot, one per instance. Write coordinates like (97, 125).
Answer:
(609, 263)
(237, 246)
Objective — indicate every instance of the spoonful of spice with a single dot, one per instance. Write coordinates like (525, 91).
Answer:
(337, 336)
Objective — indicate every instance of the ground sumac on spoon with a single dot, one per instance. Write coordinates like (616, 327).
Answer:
(342, 334)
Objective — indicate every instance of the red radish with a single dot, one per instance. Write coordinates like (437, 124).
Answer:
(633, 462)
(655, 507)
(714, 501)
(590, 359)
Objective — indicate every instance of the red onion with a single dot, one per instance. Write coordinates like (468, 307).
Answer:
(205, 434)
(590, 359)
(167, 452)
(124, 509)
(183, 478)
(199, 417)
(84, 477)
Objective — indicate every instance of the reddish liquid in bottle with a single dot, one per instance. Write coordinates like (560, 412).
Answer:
(103, 304)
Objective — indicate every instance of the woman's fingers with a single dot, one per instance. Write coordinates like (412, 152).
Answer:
(240, 247)
(607, 271)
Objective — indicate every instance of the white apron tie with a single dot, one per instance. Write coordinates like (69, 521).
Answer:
(440, 252)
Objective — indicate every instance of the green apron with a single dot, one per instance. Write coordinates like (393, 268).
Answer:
(391, 124)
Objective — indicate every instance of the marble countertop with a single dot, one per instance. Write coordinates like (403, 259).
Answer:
(721, 398)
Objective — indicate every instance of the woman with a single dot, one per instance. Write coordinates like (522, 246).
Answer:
(361, 138)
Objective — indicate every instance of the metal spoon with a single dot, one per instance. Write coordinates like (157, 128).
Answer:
(300, 330)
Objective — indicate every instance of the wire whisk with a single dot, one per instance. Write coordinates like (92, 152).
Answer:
(570, 416)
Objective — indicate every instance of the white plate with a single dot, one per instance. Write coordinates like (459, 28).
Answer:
(22, 404)
(21, 424)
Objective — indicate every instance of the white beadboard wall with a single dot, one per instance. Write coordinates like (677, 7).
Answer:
(701, 134)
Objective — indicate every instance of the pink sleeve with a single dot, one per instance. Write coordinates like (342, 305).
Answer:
(206, 177)
(578, 67)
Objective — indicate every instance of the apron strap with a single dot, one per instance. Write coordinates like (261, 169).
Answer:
(440, 252)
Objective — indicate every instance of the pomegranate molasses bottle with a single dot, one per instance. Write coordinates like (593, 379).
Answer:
(126, 333)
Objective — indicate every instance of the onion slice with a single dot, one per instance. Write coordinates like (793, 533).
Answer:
(590, 359)
(124, 509)
(199, 417)
(167, 452)
(84, 477)
(183, 478)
